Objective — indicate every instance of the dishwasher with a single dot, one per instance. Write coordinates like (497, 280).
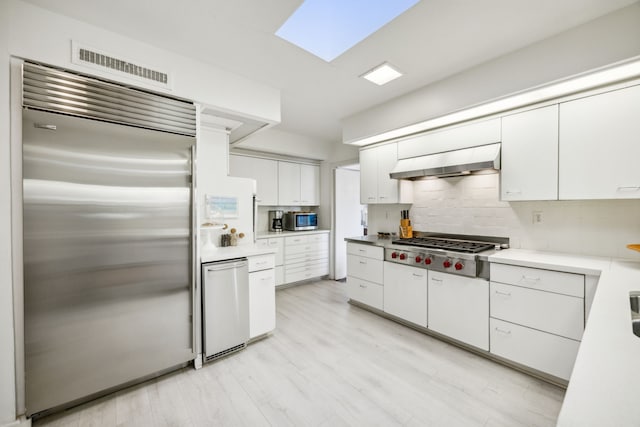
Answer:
(225, 307)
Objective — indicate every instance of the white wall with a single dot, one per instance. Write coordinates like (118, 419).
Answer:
(471, 205)
(7, 378)
(44, 36)
(608, 39)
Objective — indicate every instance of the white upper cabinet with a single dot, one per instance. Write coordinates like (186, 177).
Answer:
(310, 184)
(368, 176)
(451, 138)
(375, 184)
(298, 184)
(600, 146)
(264, 171)
(530, 155)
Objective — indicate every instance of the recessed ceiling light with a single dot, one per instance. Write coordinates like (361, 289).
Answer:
(328, 28)
(382, 74)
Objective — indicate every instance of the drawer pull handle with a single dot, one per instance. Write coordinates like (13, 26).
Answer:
(436, 279)
(362, 251)
(514, 192)
(264, 279)
(418, 275)
(506, 294)
(629, 188)
(363, 262)
(530, 279)
(502, 331)
(363, 286)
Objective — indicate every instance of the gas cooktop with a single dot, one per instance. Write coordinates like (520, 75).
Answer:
(465, 246)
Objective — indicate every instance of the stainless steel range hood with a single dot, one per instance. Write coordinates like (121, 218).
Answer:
(449, 163)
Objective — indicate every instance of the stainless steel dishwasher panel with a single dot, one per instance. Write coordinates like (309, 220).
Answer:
(225, 300)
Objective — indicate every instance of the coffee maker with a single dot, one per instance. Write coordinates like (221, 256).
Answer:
(275, 220)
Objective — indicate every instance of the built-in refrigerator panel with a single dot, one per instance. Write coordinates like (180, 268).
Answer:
(108, 269)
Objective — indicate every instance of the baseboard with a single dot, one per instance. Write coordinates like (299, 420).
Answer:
(20, 422)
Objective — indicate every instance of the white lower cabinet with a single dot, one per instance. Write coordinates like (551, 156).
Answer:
(276, 243)
(364, 274)
(537, 317)
(459, 308)
(405, 292)
(368, 293)
(305, 257)
(539, 350)
(262, 295)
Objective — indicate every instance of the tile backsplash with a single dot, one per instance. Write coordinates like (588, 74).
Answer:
(471, 205)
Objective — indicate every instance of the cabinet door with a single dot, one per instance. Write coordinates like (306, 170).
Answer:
(264, 171)
(309, 185)
(530, 155)
(405, 292)
(288, 184)
(459, 308)
(599, 147)
(262, 302)
(368, 176)
(387, 187)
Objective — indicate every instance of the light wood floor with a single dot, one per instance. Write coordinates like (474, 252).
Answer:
(331, 364)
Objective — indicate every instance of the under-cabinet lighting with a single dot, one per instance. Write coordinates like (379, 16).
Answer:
(382, 74)
(615, 73)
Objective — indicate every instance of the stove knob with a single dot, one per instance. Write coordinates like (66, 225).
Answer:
(418, 259)
(394, 255)
(427, 260)
(447, 263)
(459, 265)
(403, 256)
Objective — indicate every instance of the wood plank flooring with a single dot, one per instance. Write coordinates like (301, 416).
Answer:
(331, 364)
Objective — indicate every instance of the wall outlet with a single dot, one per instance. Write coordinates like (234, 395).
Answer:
(537, 217)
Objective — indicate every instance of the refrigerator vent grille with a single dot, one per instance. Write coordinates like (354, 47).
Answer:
(50, 89)
(122, 66)
(225, 352)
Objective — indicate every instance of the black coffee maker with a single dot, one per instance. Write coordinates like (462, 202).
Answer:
(275, 220)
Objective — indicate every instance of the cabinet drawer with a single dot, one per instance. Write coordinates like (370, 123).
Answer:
(320, 237)
(365, 292)
(369, 251)
(365, 268)
(296, 240)
(534, 278)
(307, 265)
(305, 248)
(306, 273)
(309, 256)
(546, 311)
(545, 352)
(261, 262)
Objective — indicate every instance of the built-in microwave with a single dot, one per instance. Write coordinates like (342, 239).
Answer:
(299, 221)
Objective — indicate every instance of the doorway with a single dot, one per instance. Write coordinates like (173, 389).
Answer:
(350, 215)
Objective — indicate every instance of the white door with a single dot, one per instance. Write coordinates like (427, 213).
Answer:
(348, 215)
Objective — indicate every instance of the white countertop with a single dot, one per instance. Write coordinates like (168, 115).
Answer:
(230, 252)
(268, 234)
(601, 390)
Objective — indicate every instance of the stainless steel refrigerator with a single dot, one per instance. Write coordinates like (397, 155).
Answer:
(108, 249)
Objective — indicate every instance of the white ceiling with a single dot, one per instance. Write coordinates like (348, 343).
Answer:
(434, 39)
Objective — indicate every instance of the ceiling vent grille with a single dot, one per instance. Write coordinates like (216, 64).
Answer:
(101, 61)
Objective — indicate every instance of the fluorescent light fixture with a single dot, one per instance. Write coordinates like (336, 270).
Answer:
(328, 28)
(382, 74)
(614, 73)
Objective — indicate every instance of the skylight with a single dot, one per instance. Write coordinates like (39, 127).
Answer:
(328, 28)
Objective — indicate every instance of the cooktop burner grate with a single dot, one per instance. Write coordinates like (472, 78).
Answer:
(451, 245)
